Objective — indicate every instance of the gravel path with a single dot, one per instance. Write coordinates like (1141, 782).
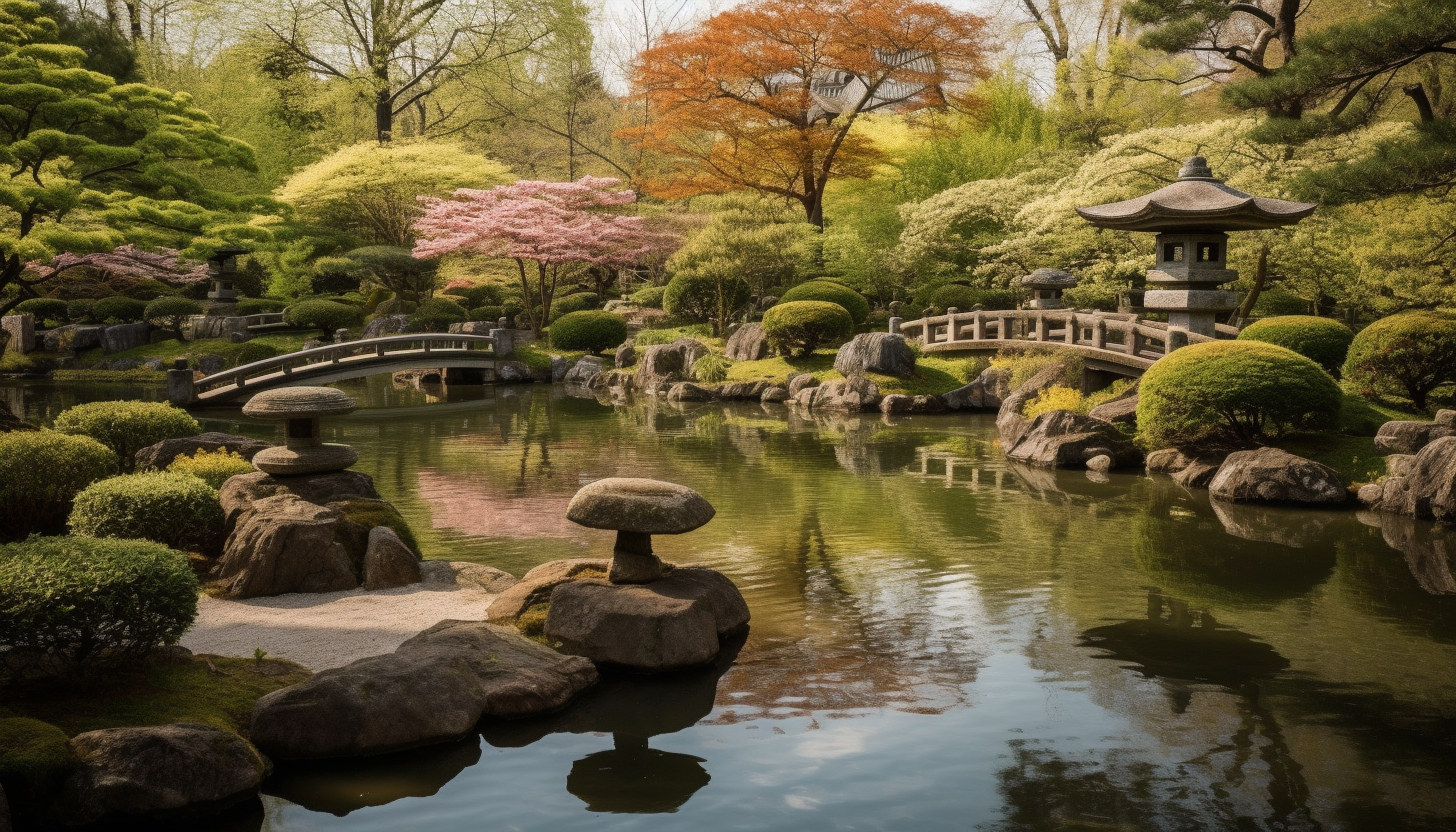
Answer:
(331, 629)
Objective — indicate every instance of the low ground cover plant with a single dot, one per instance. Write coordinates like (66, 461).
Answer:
(126, 427)
(171, 507)
(212, 467)
(41, 472)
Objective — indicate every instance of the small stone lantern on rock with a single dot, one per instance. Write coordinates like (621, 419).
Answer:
(305, 451)
(636, 509)
(1046, 287)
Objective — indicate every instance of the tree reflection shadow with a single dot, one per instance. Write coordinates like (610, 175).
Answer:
(342, 786)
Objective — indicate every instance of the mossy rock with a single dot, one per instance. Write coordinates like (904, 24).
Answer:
(371, 513)
(35, 758)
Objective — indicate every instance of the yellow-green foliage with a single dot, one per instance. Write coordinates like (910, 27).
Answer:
(1413, 353)
(371, 513)
(803, 325)
(41, 472)
(831, 292)
(212, 467)
(176, 509)
(127, 427)
(711, 369)
(1023, 364)
(1321, 340)
(1055, 398)
(1233, 391)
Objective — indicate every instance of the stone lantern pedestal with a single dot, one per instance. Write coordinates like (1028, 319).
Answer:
(305, 451)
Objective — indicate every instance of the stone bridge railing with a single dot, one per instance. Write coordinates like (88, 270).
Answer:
(1118, 335)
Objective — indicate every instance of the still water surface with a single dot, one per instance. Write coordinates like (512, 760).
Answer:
(940, 640)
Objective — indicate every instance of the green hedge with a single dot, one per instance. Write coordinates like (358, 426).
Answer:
(1413, 352)
(77, 600)
(436, 315)
(172, 312)
(1233, 391)
(652, 296)
(45, 310)
(1321, 340)
(41, 472)
(491, 314)
(259, 306)
(174, 508)
(578, 302)
(592, 330)
(212, 467)
(126, 427)
(325, 315)
(80, 310)
(829, 292)
(805, 324)
(966, 298)
(119, 309)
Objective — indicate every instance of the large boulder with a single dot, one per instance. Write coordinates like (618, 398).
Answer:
(800, 383)
(897, 403)
(876, 352)
(285, 544)
(124, 337)
(1010, 424)
(626, 356)
(434, 688)
(385, 325)
(748, 343)
(389, 563)
(665, 363)
(1402, 437)
(157, 457)
(1269, 475)
(741, 390)
(72, 337)
(1062, 439)
(1121, 410)
(853, 394)
(513, 372)
(584, 369)
(1426, 488)
(157, 772)
(537, 585)
(981, 394)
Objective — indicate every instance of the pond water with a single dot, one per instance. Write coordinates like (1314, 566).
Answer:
(940, 640)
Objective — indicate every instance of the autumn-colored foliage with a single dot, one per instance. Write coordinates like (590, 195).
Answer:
(765, 96)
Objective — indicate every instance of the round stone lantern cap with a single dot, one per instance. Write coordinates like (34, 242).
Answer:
(642, 506)
(1050, 279)
(298, 403)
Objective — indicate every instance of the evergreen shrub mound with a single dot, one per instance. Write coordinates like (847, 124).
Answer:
(80, 311)
(324, 315)
(169, 507)
(1233, 391)
(127, 427)
(592, 330)
(1413, 353)
(966, 298)
(578, 302)
(212, 467)
(41, 472)
(258, 306)
(172, 312)
(45, 310)
(436, 315)
(830, 292)
(395, 306)
(250, 351)
(77, 600)
(1321, 340)
(703, 296)
(119, 309)
(35, 758)
(651, 296)
(803, 325)
(487, 313)
(486, 294)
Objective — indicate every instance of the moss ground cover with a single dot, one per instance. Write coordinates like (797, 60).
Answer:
(168, 350)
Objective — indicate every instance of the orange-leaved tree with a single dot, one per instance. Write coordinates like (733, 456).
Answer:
(765, 96)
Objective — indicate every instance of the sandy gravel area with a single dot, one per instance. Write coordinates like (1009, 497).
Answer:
(331, 629)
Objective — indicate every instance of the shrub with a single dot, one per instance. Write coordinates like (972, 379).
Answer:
(1054, 398)
(1022, 364)
(45, 310)
(178, 509)
(212, 467)
(35, 758)
(80, 311)
(147, 289)
(127, 427)
(436, 315)
(41, 472)
(651, 337)
(805, 324)
(395, 306)
(258, 306)
(824, 290)
(76, 600)
(486, 294)
(486, 313)
(966, 298)
(171, 313)
(651, 296)
(1241, 391)
(703, 296)
(1413, 351)
(592, 330)
(119, 309)
(578, 302)
(250, 351)
(324, 315)
(1321, 340)
(711, 368)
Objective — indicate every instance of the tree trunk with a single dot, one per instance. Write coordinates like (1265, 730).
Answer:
(384, 116)
(1417, 94)
(1261, 274)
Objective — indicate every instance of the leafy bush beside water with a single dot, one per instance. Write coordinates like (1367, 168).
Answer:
(169, 507)
(803, 325)
(41, 472)
(590, 330)
(126, 427)
(1411, 353)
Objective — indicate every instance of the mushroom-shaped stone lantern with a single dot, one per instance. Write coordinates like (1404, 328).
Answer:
(305, 452)
(1046, 287)
(636, 509)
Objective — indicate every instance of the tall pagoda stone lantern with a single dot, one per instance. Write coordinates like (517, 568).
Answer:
(1192, 218)
(224, 267)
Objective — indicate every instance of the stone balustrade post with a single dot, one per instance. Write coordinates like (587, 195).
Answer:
(978, 326)
(1177, 338)
(950, 323)
(179, 383)
(1041, 328)
(505, 341)
(1071, 332)
(895, 325)
(1099, 334)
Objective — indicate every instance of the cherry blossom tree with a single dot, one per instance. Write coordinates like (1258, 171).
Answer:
(554, 226)
(121, 267)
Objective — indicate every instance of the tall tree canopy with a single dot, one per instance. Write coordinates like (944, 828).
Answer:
(766, 96)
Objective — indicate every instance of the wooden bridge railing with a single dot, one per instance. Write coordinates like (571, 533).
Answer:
(1120, 333)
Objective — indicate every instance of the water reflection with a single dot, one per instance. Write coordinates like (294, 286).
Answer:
(343, 786)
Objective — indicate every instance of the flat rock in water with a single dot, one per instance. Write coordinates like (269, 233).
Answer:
(159, 772)
(389, 563)
(855, 394)
(687, 391)
(748, 343)
(1402, 437)
(741, 390)
(1198, 473)
(582, 371)
(1269, 475)
(981, 394)
(435, 688)
(774, 395)
(157, 457)
(513, 372)
(800, 383)
(876, 352)
(1062, 438)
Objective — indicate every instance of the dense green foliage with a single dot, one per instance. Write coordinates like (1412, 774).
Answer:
(171, 313)
(1413, 353)
(755, 240)
(212, 467)
(831, 292)
(709, 296)
(41, 472)
(966, 298)
(50, 311)
(436, 315)
(803, 325)
(174, 508)
(258, 306)
(76, 600)
(127, 427)
(576, 302)
(1321, 340)
(650, 296)
(711, 368)
(592, 330)
(1233, 391)
(119, 309)
(325, 315)
(485, 294)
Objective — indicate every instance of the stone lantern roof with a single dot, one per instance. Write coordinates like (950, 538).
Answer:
(1050, 279)
(1197, 200)
(298, 403)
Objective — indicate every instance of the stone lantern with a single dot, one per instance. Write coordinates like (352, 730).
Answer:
(1046, 287)
(224, 267)
(1192, 218)
(305, 451)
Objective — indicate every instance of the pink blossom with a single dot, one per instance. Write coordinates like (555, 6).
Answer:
(128, 261)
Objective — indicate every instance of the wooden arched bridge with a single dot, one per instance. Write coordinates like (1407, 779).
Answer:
(336, 362)
(1118, 343)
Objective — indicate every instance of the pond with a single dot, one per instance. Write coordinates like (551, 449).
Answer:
(940, 640)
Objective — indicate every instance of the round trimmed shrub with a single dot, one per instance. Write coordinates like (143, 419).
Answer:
(45, 310)
(76, 600)
(487, 313)
(805, 324)
(1321, 340)
(436, 315)
(486, 294)
(1239, 391)
(212, 467)
(258, 306)
(579, 302)
(127, 427)
(41, 472)
(119, 309)
(169, 507)
(172, 312)
(1413, 352)
(824, 290)
(651, 296)
(592, 330)
(80, 310)
(703, 296)
(250, 351)
(325, 315)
